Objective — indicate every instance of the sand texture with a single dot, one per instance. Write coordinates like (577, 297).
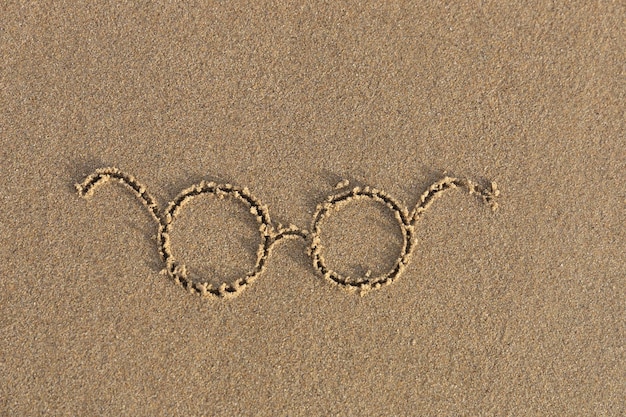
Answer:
(312, 209)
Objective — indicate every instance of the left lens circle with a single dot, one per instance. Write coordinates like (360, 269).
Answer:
(178, 270)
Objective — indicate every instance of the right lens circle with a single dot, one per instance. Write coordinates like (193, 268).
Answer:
(333, 202)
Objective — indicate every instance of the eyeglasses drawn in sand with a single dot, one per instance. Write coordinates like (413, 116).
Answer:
(270, 234)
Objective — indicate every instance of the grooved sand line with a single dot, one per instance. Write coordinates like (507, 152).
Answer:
(270, 234)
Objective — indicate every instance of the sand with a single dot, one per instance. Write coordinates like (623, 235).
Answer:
(321, 209)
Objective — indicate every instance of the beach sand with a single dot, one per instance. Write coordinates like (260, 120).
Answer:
(518, 311)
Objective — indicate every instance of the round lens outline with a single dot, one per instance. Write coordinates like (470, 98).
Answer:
(335, 201)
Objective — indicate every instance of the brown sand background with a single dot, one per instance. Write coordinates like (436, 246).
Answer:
(518, 312)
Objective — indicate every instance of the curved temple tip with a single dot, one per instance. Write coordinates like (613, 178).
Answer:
(490, 195)
(86, 187)
(82, 188)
